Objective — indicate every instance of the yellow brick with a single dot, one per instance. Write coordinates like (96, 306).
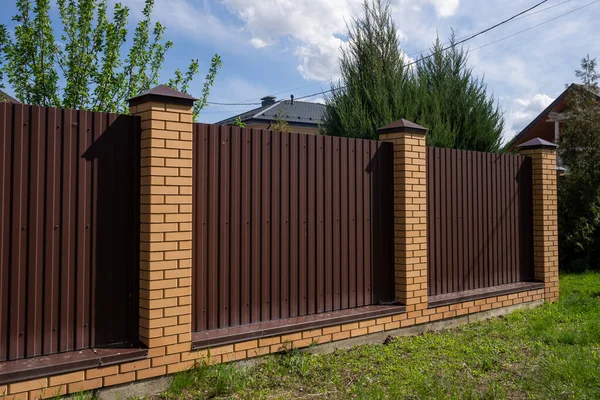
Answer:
(134, 366)
(67, 378)
(251, 344)
(178, 348)
(48, 393)
(171, 359)
(101, 372)
(178, 126)
(85, 385)
(27, 386)
(151, 372)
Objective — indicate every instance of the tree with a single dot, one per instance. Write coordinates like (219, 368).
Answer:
(579, 189)
(375, 88)
(88, 68)
(453, 103)
(279, 123)
(438, 92)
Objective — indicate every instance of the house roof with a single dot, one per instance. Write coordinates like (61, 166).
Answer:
(5, 97)
(559, 104)
(300, 112)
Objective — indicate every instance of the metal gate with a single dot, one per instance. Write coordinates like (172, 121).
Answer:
(479, 222)
(69, 230)
(288, 225)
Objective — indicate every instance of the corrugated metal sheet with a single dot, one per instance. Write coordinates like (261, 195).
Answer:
(69, 229)
(288, 225)
(296, 112)
(479, 220)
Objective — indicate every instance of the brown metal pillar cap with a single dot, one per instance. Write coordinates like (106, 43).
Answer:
(537, 143)
(402, 125)
(163, 94)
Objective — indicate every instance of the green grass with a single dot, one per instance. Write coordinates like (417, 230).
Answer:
(550, 352)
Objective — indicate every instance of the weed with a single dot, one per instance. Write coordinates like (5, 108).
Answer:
(552, 351)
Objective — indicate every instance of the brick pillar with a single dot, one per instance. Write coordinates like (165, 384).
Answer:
(545, 214)
(410, 213)
(166, 221)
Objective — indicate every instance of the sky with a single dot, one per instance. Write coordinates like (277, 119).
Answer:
(285, 47)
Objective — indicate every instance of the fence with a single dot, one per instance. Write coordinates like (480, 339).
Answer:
(479, 220)
(288, 225)
(69, 230)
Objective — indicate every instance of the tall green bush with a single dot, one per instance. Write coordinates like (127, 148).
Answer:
(379, 86)
(88, 68)
(579, 189)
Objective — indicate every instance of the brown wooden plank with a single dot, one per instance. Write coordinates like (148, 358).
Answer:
(444, 221)
(246, 229)
(363, 269)
(214, 144)
(320, 206)
(460, 240)
(257, 224)
(352, 223)
(481, 180)
(285, 226)
(472, 252)
(504, 246)
(337, 181)
(18, 266)
(266, 231)
(439, 223)
(453, 285)
(224, 183)
(430, 223)
(295, 224)
(365, 283)
(368, 215)
(275, 224)
(53, 188)
(35, 233)
(328, 192)
(304, 259)
(312, 226)
(235, 225)
(345, 232)
(6, 145)
(84, 221)
(198, 223)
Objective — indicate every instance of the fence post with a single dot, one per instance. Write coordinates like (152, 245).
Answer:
(166, 220)
(545, 213)
(410, 213)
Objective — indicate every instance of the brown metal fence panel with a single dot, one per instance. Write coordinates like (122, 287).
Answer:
(288, 225)
(479, 220)
(69, 230)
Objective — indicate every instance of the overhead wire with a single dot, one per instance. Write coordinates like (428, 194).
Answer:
(469, 38)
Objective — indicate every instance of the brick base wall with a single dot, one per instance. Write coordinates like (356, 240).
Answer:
(160, 364)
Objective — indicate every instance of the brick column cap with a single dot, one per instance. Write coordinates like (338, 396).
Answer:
(162, 94)
(537, 143)
(402, 125)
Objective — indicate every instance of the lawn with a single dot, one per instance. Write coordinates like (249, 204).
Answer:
(550, 352)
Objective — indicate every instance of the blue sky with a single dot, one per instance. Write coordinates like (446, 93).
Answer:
(292, 46)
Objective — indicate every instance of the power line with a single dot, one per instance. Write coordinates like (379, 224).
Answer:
(512, 20)
(535, 26)
(256, 104)
(485, 45)
(233, 104)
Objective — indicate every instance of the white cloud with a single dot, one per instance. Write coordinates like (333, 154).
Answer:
(194, 19)
(446, 8)
(524, 110)
(315, 27)
(259, 43)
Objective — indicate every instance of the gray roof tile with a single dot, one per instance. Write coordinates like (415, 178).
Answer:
(298, 112)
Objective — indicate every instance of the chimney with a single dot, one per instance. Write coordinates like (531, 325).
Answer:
(292, 99)
(267, 100)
